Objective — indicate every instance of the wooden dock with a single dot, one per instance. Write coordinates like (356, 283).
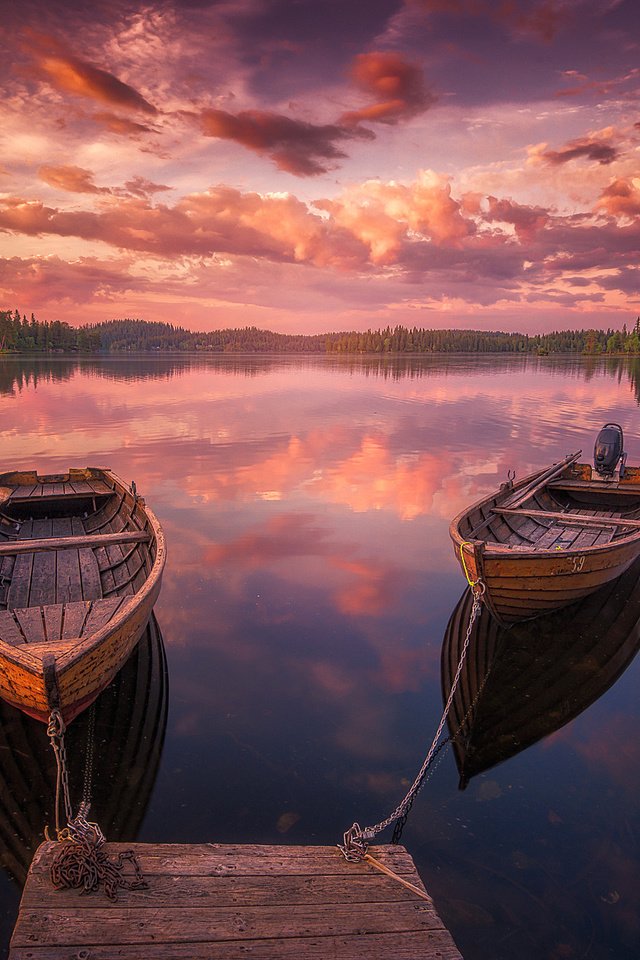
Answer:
(226, 902)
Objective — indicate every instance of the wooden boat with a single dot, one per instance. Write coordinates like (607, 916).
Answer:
(127, 728)
(550, 539)
(521, 683)
(81, 561)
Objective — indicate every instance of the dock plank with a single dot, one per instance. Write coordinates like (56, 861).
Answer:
(215, 901)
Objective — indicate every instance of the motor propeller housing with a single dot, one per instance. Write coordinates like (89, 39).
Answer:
(608, 450)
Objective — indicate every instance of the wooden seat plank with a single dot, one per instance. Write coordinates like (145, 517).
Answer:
(68, 584)
(61, 646)
(89, 574)
(18, 595)
(44, 493)
(26, 530)
(41, 528)
(75, 615)
(53, 621)
(81, 486)
(43, 579)
(550, 537)
(31, 624)
(61, 527)
(101, 612)
(100, 487)
(9, 630)
(72, 542)
(23, 492)
(579, 519)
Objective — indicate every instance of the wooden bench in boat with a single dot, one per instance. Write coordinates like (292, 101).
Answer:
(569, 519)
(78, 489)
(597, 486)
(73, 542)
(53, 624)
(63, 569)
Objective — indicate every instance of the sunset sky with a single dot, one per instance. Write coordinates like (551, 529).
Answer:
(312, 166)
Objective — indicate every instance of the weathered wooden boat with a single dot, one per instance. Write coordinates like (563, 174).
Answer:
(554, 537)
(521, 683)
(127, 731)
(81, 561)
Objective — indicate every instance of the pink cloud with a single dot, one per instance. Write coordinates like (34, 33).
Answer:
(70, 74)
(123, 126)
(381, 215)
(621, 198)
(591, 149)
(70, 178)
(299, 147)
(220, 220)
(54, 281)
(397, 85)
(141, 187)
(527, 221)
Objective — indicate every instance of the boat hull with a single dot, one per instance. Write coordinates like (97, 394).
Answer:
(522, 580)
(62, 652)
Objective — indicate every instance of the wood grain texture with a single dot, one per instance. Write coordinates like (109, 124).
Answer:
(217, 901)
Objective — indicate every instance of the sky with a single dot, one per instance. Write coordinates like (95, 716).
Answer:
(314, 166)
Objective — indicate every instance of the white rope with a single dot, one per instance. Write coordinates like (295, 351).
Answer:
(354, 845)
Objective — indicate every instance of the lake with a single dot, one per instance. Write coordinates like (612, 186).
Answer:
(309, 583)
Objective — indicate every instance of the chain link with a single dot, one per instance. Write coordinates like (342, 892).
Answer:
(354, 845)
(56, 731)
(77, 828)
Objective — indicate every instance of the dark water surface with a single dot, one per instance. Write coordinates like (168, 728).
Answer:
(309, 584)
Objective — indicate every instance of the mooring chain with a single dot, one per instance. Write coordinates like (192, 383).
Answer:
(354, 846)
(55, 731)
(80, 860)
(85, 804)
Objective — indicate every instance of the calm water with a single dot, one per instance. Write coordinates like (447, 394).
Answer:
(310, 580)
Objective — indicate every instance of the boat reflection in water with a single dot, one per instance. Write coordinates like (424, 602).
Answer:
(129, 722)
(521, 683)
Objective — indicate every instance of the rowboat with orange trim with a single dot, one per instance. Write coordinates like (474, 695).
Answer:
(555, 536)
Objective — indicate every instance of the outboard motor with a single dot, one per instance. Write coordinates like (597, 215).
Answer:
(608, 452)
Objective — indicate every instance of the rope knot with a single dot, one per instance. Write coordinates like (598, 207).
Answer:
(354, 846)
(56, 726)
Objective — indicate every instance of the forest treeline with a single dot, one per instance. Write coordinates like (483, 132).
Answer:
(21, 335)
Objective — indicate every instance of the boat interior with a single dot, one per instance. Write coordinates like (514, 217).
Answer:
(72, 548)
(567, 512)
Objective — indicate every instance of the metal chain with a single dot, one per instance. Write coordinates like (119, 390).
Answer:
(87, 785)
(77, 828)
(354, 845)
(55, 731)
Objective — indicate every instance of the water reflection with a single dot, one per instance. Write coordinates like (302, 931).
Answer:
(130, 719)
(22, 371)
(523, 683)
(310, 578)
